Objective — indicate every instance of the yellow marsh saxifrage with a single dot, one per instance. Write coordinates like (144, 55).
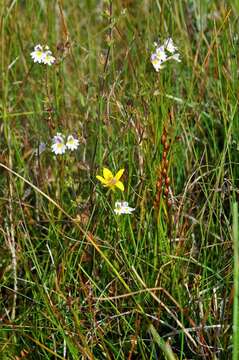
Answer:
(111, 181)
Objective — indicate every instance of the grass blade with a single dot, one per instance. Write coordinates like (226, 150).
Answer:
(236, 284)
(166, 348)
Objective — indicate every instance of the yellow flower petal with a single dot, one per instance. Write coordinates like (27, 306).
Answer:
(120, 185)
(119, 174)
(101, 179)
(107, 174)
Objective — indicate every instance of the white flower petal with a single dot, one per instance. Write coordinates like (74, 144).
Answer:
(38, 48)
(58, 148)
(58, 138)
(122, 207)
(72, 143)
(169, 45)
(37, 56)
(160, 53)
(48, 59)
(176, 57)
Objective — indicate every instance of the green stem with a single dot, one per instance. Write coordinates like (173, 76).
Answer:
(236, 283)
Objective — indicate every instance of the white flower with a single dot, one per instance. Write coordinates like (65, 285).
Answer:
(58, 146)
(38, 54)
(48, 59)
(122, 207)
(164, 53)
(72, 143)
(156, 62)
(58, 137)
(161, 54)
(158, 58)
(169, 45)
(42, 55)
(175, 57)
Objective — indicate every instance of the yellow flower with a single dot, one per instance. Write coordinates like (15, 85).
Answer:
(111, 181)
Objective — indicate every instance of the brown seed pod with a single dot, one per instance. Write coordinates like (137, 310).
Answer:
(164, 155)
(159, 183)
(166, 191)
(165, 164)
(164, 172)
(167, 181)
(163, 139)
(166, 147)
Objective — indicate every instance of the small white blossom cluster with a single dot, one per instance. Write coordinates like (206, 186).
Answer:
(42, 55)
(122, 207)
(163, 53)
(60, 144)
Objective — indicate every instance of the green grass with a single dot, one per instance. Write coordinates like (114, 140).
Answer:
(77, 281)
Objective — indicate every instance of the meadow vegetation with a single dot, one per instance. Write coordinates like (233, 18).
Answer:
(79, 280)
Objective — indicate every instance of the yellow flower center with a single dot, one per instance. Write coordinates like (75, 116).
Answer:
(39, 53)
(112, 182)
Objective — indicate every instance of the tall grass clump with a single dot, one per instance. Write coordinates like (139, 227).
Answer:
(119, 179)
